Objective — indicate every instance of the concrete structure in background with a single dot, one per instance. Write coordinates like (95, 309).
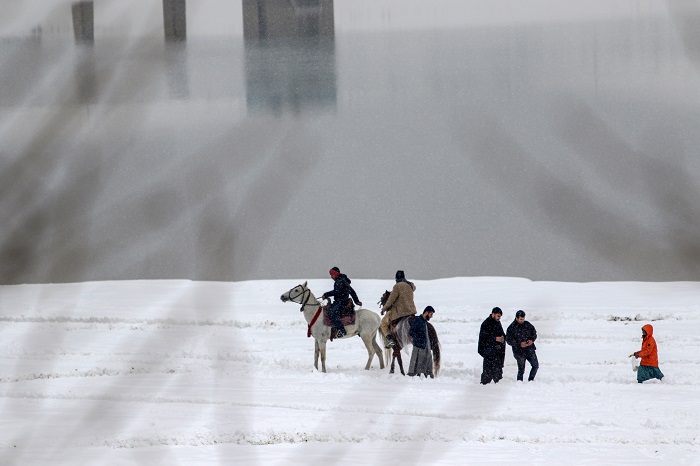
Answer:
(174, 20)
(278, 76)
(264, 19)
(364, 134)
(84, 21)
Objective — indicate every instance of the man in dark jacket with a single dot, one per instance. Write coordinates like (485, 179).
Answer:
(492, 347)
(422, 355)
(521, 335)
(341, 293)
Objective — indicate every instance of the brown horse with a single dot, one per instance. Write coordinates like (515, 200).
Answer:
(399, 331)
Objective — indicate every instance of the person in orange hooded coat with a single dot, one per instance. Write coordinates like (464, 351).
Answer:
(649, 365)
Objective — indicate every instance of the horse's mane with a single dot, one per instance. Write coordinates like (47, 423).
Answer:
(435, 346)
(384, 298)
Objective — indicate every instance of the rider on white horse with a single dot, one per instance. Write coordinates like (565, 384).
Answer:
(341, 293)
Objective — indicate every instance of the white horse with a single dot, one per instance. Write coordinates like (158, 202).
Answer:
(366, 325)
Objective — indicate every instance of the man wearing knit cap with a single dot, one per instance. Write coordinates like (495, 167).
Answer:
(492, 347)
(341, 293)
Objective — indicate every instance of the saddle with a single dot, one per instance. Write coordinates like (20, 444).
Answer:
(347, 314)
(396, 322)
(401, 337)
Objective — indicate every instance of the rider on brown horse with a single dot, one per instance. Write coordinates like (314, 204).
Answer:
(399, 304)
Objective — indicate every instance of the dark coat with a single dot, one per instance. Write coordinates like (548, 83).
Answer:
(419, 332)
(342, 290)
(488, 346)
(518, 333)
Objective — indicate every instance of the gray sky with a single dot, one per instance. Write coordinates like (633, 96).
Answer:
(550, 143)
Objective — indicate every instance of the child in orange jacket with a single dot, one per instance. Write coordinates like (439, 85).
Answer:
(649, 365)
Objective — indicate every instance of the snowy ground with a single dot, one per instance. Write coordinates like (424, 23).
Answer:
(179, 372)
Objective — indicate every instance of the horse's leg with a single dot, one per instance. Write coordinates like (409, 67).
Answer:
(397, 355)
(390, 357)
(322, 348)
(378, 352)
(370, 349)
(316, 352)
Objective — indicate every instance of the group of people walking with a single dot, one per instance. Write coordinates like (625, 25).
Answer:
(520, 335)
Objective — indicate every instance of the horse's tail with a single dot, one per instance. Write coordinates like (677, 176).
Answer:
(401, 332)
(435, 346)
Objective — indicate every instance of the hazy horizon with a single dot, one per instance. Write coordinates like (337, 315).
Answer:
(473, 140)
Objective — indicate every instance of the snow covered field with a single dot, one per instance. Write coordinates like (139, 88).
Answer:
(179, 372)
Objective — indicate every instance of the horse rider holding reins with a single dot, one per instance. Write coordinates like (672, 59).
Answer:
(341, 293)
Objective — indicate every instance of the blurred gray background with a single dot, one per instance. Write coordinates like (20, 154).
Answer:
(260, 139)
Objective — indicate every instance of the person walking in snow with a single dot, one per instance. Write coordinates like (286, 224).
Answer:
(341, 293)
(422, 354)
(649, 365)
(492, 347)
(399, 304)
(521, 336)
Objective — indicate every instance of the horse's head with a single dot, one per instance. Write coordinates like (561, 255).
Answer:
(297, 293)
(384, 298)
